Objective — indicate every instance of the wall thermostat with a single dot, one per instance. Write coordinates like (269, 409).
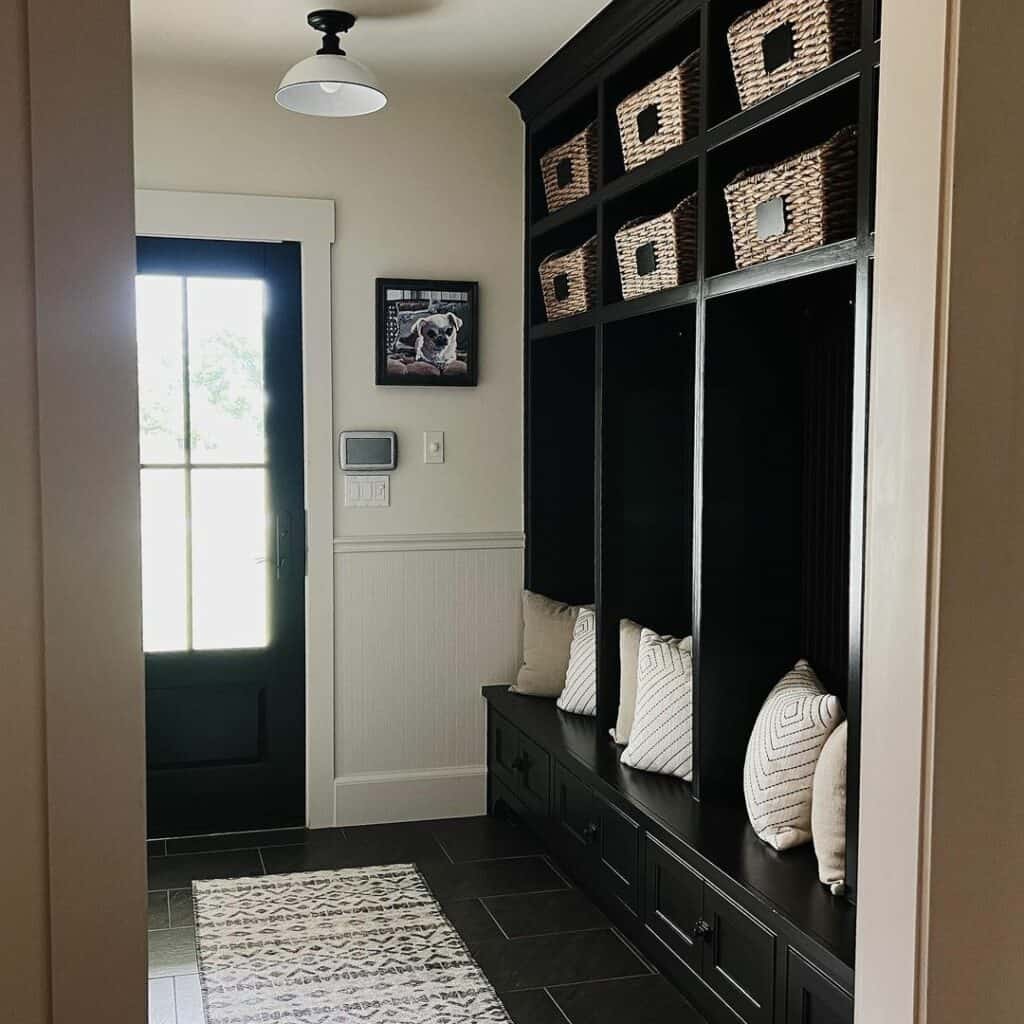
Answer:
(368, 451)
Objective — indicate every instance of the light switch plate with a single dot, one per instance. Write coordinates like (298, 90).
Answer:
(367, 491)
(433, 447)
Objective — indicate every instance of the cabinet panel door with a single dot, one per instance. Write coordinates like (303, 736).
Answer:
(673, 903)
(503, 750)
(739, 958)
(534, 777)
(574, 812)
(504, 803)
(619, 848)
(812, 998)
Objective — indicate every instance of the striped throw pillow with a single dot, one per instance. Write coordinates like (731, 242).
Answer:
(661, 739)
(796, 719)
(579, 696)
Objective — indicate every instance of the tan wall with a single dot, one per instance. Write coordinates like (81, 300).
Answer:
(429, 187)
(24, 935)
(70, 586)
(940, 932)
(975, 852)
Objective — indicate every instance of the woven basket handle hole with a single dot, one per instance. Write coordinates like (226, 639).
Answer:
(561, 286)
(771, 218)
(648, 123)
(564, 172)
(646, 260)
(778, 47)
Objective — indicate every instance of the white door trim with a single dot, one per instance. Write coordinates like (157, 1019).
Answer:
(310, 222)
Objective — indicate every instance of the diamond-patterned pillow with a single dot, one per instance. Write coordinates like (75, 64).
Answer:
(579, 696)
(796, 719)
(661, 739)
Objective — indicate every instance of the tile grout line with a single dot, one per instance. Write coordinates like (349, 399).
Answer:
(554, 867)
(635, 951)
(487, 911)
(556, 1005)
(444, 849)
(594, 981)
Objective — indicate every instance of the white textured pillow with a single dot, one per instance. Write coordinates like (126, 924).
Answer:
(629, 663)
(579, 696)
(662, 736)
(828, 812)
(778, 775)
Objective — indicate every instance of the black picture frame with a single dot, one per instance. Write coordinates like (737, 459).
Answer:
(407, 352)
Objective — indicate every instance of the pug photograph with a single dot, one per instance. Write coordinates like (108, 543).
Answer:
(427, 333)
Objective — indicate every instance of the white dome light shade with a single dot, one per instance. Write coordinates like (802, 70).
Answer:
(330, 85)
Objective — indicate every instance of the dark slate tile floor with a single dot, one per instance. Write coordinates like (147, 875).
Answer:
(552, 956)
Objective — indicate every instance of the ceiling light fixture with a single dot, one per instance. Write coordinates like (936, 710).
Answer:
(330, 83)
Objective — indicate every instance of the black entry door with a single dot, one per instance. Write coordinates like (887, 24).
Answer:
(220, 383)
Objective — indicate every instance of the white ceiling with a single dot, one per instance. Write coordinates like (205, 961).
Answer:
(496, 40)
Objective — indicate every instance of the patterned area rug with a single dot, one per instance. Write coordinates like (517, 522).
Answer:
(333, 947)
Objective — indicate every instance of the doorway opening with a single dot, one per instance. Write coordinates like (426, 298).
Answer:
(221, 471)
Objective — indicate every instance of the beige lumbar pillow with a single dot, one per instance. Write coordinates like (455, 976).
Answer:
(579, 697)
(629, 659)
(547, 637)
(828, 812)
(662, 734)
(797, 717)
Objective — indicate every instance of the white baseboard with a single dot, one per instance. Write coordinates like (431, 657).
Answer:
(377, 797)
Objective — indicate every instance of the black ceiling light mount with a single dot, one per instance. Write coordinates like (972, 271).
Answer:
(331, 24)
(330, 83)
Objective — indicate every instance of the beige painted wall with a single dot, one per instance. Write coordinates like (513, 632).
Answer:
(941, 915)
(24, 931)
(72, 928)
(974, 922)
(429, 187)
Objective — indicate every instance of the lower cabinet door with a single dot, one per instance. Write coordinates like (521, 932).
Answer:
(576, 824)
(618, 844)
(811, 997)
(673, 903)
(503, 750)
(534, 778)
(504, 803)
(739, 958)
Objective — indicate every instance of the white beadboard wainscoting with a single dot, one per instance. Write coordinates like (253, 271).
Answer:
(422, 622)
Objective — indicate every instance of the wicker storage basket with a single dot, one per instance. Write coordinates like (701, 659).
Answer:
(786, 40)
(798, 204)
(570, 170)
(661, 115)
(658, 253)
(569, 280)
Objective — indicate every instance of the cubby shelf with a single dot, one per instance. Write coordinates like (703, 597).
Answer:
(694, 458)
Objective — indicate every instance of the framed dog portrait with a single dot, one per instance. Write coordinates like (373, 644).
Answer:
(427, 333)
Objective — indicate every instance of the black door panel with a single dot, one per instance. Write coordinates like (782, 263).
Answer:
(619, 849)
(739, 960)
(811, 998)
(225, 715)
(673, 907)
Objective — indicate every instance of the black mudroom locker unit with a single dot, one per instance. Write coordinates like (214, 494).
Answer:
(695, 462)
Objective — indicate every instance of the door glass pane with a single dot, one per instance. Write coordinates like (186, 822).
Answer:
(164, 561)
(161, 386)
(225, 352)
(229, 558)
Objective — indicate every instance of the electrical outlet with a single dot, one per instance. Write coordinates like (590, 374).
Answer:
(367, 491)
(433, 447)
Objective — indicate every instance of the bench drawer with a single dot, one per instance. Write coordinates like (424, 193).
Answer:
(674, 903)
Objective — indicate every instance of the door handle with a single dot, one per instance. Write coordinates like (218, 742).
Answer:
(701, 931)
(590, 832)
(282, 543)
